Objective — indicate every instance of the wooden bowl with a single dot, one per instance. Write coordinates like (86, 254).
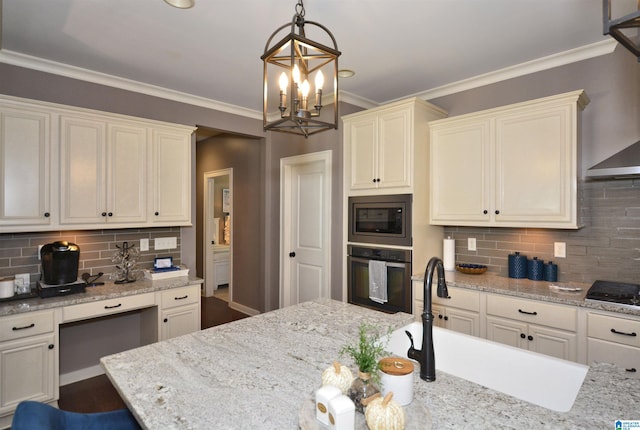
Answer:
(471, 269)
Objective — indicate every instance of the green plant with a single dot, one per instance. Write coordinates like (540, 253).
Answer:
(368, 349)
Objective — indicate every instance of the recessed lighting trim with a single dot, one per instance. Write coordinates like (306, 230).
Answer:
(345, 73)
(181, 4)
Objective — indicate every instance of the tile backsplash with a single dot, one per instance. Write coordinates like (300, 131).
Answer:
(607, 247)
(19, 251)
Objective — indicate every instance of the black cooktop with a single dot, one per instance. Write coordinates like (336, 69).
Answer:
(615, 292)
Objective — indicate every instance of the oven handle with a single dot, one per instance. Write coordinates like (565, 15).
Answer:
(399, 264)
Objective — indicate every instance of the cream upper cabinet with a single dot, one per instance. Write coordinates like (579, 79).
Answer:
(171, 172)
(514, 166)
(380, 145)
(25, 167)
(103, 171)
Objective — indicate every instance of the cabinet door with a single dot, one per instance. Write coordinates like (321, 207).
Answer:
(25, 163)
(178, 321)
(395, 148)
(127, 173)
(171, 177)
(439, 314)
(27, 371)
(363, 136)
(534, 170)
(463, 321)
(83, 154)
(460, 173)
(556, 343)
(505, 331)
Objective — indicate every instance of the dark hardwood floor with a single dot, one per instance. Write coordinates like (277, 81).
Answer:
(98, 395)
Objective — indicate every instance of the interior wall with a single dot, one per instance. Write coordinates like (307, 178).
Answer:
(244, 155)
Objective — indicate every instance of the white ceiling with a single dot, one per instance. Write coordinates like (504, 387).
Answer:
(398, 48)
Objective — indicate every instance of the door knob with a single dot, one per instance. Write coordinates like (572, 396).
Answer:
(292, 254)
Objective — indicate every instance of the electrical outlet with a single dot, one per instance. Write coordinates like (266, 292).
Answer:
(471, 243)
(22, 280)
(165, 243)
(144, 244)
(560, 249)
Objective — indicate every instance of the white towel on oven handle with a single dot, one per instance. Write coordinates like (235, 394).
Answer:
(378, 281)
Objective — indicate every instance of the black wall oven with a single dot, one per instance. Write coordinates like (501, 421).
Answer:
(383, 220)
(398, 274)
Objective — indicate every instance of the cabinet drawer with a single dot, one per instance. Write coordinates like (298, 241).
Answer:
(530, 311)
(107, 307)
(27, 324)
(613, 329)
(180, 297)
(460, 298)
(624, 356)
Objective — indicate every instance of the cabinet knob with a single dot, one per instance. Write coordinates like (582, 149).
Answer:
(446, 318)
(440, 316)
(103, 214)
(47, 214)
(497, 212)
(530, 337)
(378, 180)
(157, 213)
(110, 214)
(522, 335)
(485, 211)
(165, 320)
(292, 254)
(51, 346)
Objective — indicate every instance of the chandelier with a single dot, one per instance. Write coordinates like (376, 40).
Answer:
(290, 63)
(625, 29)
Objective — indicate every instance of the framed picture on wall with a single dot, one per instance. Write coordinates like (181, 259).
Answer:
(226, 204)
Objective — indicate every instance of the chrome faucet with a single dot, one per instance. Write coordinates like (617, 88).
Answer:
(425, 356)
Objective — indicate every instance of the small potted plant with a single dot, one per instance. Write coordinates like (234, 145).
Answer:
(365, 353)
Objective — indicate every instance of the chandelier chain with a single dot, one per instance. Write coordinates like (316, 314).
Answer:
(300, 14)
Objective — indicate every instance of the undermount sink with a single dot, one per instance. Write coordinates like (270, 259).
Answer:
(536, 378)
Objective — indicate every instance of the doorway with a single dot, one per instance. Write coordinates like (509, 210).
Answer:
(218, 234)
(305, 227)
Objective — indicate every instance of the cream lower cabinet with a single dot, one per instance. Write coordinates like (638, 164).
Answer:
(28, 361)
(546, 328)
(179, 311)
(514, 166)
(460, 312)
(614, 339)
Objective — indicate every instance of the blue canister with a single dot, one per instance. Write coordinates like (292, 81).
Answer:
(517, 265)
(535, 269)
(550, 272)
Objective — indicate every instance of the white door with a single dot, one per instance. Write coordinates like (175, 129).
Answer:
(305, 227)
(214, 242)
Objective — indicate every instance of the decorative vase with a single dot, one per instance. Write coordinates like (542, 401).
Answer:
(361, 388)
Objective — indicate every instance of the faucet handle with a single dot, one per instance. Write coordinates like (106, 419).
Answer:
(413, 353)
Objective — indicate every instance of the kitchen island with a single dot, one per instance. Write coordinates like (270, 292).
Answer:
(257, 372)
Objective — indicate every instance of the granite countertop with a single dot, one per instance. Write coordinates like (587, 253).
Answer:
(528, 289)
(107, 291)
(257, 372)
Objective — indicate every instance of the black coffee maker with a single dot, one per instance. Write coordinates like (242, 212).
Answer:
(60, 263)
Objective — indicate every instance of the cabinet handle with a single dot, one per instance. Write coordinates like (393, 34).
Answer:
(103, 214)
(32, 325)
(632, 370)
(157, 213)
(530, 337)
(633, 334)
(47, 214)
(446, 318)
(113, 307)
(110, 214)
(522, 335)
(440, 316)
(181, 298)
(497, 212)
(527, 313)
(485, 211)
(51, 346)
(165, 320)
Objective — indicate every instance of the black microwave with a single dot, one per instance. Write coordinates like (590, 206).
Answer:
(384, 220)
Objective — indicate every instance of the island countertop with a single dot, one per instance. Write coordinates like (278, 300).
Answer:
(257, 372)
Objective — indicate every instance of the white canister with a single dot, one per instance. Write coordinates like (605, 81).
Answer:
(342, 413)
(7, 287)
(397, 376)
(323, 395)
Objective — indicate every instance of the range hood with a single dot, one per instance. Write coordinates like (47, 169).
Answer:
(624, 164)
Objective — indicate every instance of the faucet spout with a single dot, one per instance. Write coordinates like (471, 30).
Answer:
(426, 356)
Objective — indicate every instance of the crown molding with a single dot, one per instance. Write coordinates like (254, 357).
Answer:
(48, 66)
(544, 63)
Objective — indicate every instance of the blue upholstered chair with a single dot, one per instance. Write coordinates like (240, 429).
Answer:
(40, 416)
